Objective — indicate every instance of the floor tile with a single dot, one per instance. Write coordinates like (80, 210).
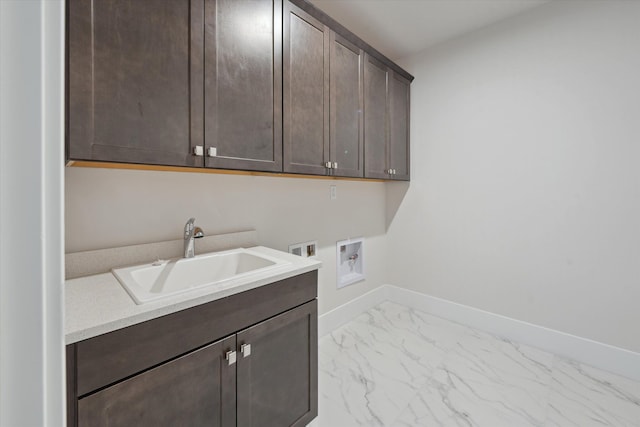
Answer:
(370, 370)
(484, 381)
(584, 396)
(395, 366)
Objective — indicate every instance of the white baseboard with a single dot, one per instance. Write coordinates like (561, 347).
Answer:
(337, 317)
(593, 353)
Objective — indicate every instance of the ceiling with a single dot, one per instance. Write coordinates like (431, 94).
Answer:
(399, 28)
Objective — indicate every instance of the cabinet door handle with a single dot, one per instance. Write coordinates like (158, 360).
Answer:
(198, 150)
(231, 357)
(245, 349)
(335, 165)
(212, 151)
(328, 165)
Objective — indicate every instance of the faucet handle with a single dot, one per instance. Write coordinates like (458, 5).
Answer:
(189, 226)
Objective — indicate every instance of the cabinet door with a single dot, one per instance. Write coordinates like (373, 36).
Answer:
(135, 81)
(278, 381)
(243, 84)
(376, 121)
(306, 92)
(197, 389)
(346, 98)
(399, 127)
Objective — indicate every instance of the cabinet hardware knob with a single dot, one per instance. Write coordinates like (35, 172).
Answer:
(335, 165)
(328, 165)
(212, 151)
(231, 357)
(198, 150)
(245, 349)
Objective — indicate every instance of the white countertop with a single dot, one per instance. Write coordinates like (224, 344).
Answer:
(95, 305)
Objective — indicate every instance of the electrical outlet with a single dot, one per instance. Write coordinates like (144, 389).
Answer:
(333, 192)
(296, 249)
(311, 249)
(305, 250)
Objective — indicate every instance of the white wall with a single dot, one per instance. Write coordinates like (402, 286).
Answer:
(525, 191)
(31, 219)
(109, 208)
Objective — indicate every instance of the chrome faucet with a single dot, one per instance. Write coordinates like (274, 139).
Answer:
(191, 232)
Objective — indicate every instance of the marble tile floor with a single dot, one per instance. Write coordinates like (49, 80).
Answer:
(395, 366)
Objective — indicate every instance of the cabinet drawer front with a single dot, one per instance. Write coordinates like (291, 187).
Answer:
(108, 358)
(278, 379)
(192, 390)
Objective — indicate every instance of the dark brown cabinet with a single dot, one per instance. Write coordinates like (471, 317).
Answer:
(243, 84)
(399, 127)
(306, 92)
(278, 379)
(192, 390)
(135, 87)
(345, 108)
(256, 85)
(323, 133)
(247, 360)
(376, 119)
(176, 82)
(386, 118)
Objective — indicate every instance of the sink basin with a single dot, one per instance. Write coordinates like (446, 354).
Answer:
(222, 270)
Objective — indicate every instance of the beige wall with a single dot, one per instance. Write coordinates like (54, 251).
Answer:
(525, 194)
(110, 208)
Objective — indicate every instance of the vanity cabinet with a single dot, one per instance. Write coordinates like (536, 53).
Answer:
(249, 359)
(277, 370)
(192, 390)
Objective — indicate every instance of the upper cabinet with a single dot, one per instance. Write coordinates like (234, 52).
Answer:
(386, 118)
(306, 93)
(257, 85)
(399, 127)
(243, 84)
(376, 118)
(173, 82)
(323, 129)
(345, 108)
(135, 81)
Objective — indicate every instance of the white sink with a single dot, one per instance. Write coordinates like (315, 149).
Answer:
(219, 270)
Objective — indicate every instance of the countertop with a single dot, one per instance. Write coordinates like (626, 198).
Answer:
(98, 304)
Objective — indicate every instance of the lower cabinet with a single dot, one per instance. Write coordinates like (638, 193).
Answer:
(193, 390)
(262, 375)
(278, 370)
